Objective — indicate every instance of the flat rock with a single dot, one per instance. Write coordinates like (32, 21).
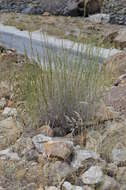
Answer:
(58, 149)
(93, 175)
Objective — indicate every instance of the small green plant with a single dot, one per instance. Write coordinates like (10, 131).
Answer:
(61, 86)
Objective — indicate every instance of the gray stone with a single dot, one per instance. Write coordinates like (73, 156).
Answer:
(119, 156)
(8, 154)
(38, 141)
(8, 112)
(82, 155)
(92, 176)
(2, 103)
(110, 183)
(68, 186)
(99, 18)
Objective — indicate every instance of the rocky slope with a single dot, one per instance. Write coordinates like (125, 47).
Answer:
(56, 7)
(34, 159)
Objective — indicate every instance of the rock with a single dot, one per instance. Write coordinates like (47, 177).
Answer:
(46, 14)
(111, 169)
(2, 103)
(10, 131)
(38, 141)
(120, 39)
(57, 7)
(32, 155)
(8, 154)
(114, 138)
(121, 80)
(99, 18)
(119, 156)
(110, 35)
(81, 156)
(53, 173)
(105, 113)
(23, 146)
(58, 149)
(92, 176)
(117, 11)
(109, 183)
(121, 175)
(68, 186)
(8, 112)
(46, 130)
(117, 63)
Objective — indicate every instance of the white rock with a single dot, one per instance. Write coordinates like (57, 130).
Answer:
(8, 154)
(9, 112)
(119, 156)
(38, 141)
(81, 155)
(98, 18)
(2, 103)
(68, 186)
(93, 175)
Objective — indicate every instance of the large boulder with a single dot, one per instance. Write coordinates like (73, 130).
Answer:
(56, 7)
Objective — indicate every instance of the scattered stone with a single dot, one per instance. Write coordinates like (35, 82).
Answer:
(92, 176)
(9, 112)
(9, 132)
(58, 149)
(32, 155)
(119, 156)
(109, 183)
(8, 154)
(2, 103)
(46, 130)
(81, 156)
(38, 141)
